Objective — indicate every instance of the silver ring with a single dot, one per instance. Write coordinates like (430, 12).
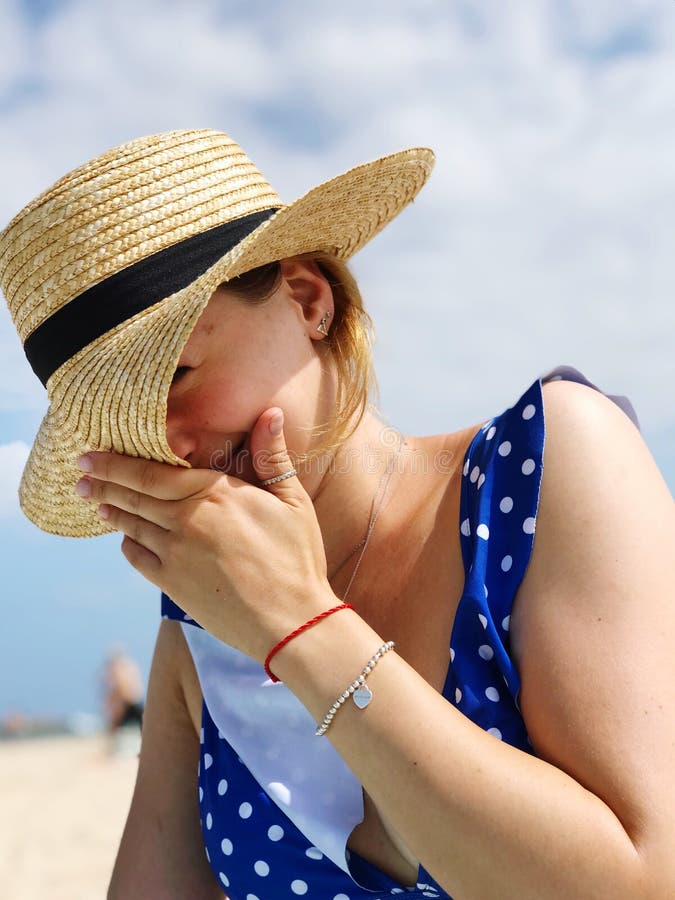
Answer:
(289, 474)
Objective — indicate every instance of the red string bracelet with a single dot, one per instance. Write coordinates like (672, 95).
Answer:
(289, 637)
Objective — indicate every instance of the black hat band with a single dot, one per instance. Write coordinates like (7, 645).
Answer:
(131, 290)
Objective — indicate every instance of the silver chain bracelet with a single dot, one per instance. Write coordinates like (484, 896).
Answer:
(358, 690)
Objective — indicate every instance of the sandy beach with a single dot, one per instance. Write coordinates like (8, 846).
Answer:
(63, 804)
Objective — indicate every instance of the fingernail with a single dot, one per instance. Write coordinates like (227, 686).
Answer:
(85, 463)
(83, 487)
(276, 423)
(103, 510)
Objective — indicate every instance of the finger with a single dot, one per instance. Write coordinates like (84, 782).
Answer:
(147, 476)
(271, 458)
(157, 511)
(143, 560)
(149, 536)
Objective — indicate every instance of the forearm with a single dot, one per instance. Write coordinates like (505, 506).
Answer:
(497, 823)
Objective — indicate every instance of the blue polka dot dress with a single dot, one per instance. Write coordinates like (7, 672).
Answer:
(270, 832)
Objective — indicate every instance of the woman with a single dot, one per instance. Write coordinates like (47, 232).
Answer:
(486, 716)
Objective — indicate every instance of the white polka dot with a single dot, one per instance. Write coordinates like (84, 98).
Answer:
(486, 590)
(313, 853)
(465, 528)
(209, 821)
(527, 467)
(226, 846)
(491, 433)
(495, 732)
(340, 897)
(275, 832)
(201, 793)
(299, 887)
(261, 868)
(483, 531)
(506, 623)
(504, 448)
(529, 525)
(280, 792)
(506, 504)
(208, 856)
(245, 810)
(458, 695)
(224, 879)
(473, 477)
(208, 760)
(506, 563)
(452, 655)
(222, 786)
(485, 651)
(492, 694)
(482, 620)
(529, 411)
(221, 735)
(481, 481)
(466, 467)
(251, 897)
(201, 736)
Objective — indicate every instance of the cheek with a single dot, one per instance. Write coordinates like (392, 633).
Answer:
(215, 403)
(201, 405)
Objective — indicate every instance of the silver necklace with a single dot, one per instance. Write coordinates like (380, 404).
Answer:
(375, 511)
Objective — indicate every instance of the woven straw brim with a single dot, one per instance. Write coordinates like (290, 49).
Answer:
(112, 395)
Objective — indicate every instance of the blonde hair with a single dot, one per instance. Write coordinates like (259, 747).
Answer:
(350, 342)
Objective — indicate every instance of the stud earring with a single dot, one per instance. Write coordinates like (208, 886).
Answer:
(322, 324)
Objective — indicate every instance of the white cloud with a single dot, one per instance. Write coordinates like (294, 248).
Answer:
(12, 460)
(544, 236)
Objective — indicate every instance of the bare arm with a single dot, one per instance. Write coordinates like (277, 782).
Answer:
(592, 816)
(161, 855)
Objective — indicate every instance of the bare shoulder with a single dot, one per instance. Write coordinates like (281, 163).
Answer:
(605, 510)
(600, 485)
(593, 624)
(580, 420)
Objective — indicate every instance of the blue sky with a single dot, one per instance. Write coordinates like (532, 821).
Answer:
(544, 237)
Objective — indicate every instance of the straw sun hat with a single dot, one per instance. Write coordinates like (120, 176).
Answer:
(107, 272)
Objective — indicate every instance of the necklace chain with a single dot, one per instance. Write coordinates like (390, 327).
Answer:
(375, 511)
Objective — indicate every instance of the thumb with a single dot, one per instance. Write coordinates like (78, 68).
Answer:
(270, 454)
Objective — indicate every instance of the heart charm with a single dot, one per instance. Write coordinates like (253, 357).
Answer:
(362, 696)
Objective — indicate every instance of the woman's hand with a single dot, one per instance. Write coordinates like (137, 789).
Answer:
(247, 563)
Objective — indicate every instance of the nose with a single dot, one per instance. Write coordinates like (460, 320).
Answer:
(178, 437)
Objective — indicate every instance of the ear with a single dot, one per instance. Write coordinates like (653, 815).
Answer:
(308, 288)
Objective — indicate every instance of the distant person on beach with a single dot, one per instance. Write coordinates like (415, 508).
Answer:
(123, 691)
(433, 666)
